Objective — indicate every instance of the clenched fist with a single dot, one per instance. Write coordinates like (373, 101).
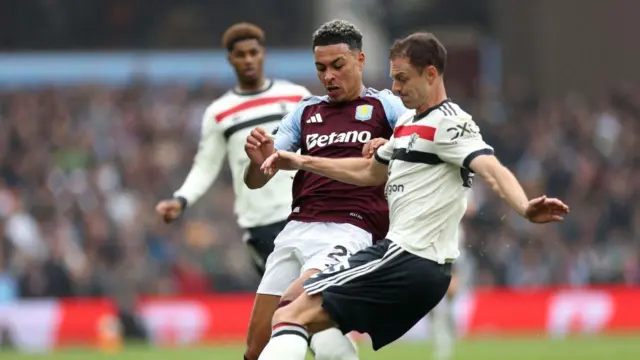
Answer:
(169, 209)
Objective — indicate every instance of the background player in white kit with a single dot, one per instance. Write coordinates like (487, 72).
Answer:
(256, 100)
(428, 165)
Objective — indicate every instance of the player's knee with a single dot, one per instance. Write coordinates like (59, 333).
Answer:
(285, 314)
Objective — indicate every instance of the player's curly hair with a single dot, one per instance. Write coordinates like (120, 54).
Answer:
(422, 49)
(242, 31)
(338, 32)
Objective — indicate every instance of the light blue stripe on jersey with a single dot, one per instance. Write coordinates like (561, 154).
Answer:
(290, 129)
(392, 104)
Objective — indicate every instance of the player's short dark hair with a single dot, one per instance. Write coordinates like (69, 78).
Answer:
(421, 49)
(338, 32)
(242, 31)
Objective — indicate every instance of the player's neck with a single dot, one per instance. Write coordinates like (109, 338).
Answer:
(356, 93)
(259, 85)
(437, 96)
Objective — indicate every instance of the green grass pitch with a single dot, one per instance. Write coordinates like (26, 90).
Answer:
(582, 348)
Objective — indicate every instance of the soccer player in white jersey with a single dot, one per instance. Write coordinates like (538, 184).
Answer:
(427, 165)
(256, 100)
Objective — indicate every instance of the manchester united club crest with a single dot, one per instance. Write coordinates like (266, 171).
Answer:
(412, 141)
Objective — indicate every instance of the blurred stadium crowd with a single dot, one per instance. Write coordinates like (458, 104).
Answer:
(82, 167)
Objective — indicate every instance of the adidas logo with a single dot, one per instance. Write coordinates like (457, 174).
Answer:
(315, 119)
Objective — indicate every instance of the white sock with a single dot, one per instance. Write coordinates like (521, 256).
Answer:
(288, 342)
(443, 331)
(331, 344)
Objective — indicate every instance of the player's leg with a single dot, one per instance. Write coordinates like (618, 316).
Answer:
(333, 243)
(292, 326)
(259, 330)
(381, 290)
(441, 330)
(330, 344)
(282, 269)
(444, 324)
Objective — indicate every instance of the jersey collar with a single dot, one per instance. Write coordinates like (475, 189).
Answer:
(267, 85)
(423, 114)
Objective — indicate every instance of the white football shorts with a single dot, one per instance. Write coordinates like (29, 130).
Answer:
(302, 246)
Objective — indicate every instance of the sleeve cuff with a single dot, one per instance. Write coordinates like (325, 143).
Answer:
(475, 154)
(380, 159)
(183, 202)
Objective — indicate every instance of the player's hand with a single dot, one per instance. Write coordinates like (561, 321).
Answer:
(281, 160)
(259, 146)
(169, 210)
(543, 210)
(371, 146)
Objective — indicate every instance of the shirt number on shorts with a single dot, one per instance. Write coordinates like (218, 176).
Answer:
(339, 253)
(340, 256)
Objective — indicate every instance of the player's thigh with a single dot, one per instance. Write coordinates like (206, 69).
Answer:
(259, 331)
(306, 310)
(282, 268)
(296, 288)
(334, 243)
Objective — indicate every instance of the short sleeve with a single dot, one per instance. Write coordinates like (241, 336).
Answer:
(393, 106)
(458, 142)
(385, 152)
(289, 131)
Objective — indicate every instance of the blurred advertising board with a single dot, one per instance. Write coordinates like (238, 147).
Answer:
(46, 324)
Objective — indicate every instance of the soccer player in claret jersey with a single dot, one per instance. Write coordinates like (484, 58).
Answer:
(329, 219)
(428, 165)
(225, 125)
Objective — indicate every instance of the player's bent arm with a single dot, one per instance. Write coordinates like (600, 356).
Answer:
(286, 137)
(255, 178)
(355, 171)
(502, 181)
(207, 163)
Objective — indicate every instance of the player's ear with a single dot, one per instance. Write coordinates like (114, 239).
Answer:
(361, 59)
(431, 73)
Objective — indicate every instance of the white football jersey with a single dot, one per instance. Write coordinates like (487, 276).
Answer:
(225, 126)
(429, 177)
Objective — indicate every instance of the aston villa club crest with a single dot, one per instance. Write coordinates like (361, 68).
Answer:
(364, 112)
(412, 141)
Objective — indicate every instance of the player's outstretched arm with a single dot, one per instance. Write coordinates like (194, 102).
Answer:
(206, 167)
(503, 182)
(356, 171)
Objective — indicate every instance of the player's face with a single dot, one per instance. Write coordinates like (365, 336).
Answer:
(411, 84)
(339, 70)
(247, 57)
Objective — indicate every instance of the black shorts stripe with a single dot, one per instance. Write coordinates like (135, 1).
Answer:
(255, 122)
(416, 157)
(380, 159)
